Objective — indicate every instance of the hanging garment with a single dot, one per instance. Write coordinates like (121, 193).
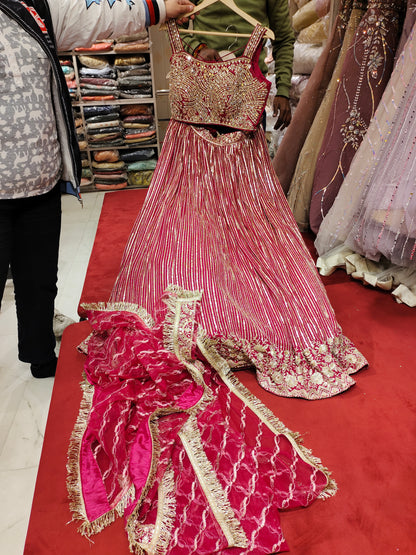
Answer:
(366, 71)
(215, 220)
(299, 195)
(371, 227)
(285, 159)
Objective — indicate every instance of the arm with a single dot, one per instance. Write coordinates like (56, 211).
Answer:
(82, 22)
(280, 23)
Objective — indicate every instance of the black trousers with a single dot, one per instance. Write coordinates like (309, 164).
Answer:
(29, 243)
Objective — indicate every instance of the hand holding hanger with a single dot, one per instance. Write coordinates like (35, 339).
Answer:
(178, 8)
(232, 6)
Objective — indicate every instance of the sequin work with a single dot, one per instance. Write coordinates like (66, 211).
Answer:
(216, 221)
(228, 93)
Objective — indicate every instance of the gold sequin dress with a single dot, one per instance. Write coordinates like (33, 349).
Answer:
(216, 223)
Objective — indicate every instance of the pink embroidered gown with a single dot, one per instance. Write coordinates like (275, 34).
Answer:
(215, 271)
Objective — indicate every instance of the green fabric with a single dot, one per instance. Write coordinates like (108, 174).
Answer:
(270, 13)
(142, 165)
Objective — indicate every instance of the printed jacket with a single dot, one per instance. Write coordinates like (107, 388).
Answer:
(62, 25)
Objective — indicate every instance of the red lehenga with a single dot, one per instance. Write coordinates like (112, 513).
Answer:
(215, 275)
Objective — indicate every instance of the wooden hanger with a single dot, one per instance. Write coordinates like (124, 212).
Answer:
(232, 5)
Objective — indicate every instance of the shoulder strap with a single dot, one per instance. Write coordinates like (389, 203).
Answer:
(174, 37)
(254, 41)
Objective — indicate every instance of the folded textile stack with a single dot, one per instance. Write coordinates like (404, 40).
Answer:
(138, 124)
(109, 170)
(112, 77)
(310, 21)
(139, 165)
(133, 76)
(132, 43)
(97, 78)
(100, 46)
(104, 128)
(69, 72)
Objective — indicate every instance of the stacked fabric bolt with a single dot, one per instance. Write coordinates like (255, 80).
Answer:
(133, 76)
(97, 79)
(310, 21)
(100, 46)
(104, 127)
(138, 124)
(69, 72)
(109, 170)
(140, 164)
(132, 43)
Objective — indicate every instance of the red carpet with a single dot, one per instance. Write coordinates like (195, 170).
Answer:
(366, 436)
(117, 217)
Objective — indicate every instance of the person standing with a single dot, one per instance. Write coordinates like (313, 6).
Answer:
(39, 156)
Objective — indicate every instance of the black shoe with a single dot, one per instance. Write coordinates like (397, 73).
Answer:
(45, 369)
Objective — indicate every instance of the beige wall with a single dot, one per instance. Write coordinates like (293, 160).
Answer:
(161, 54)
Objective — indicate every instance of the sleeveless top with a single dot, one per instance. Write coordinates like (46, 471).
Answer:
(232, 93)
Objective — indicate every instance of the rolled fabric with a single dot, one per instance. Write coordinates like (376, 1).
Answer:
(131, 133)
(112, 116)
(103, 124)
(92, 111)
(109, 165)
(111, 178)
(98, 81)
(93, 98)
(132, 71)
(129, 60)
(106, 155)
(94, 62)
(142, 165)
(100, 46)
(100, 137)
(310, 13)
(135, 109)
(111, 186)
(139, 93)
(104, 72)
(137, 46)
(140, 178)
(136, 155)
(134, 80)
(141, 35)
(139, 118)
(317, 33)
(305, 57)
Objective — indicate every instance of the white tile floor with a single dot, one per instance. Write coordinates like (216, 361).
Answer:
(24, 401)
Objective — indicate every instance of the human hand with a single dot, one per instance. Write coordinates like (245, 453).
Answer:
(281, 110)
(208, 55)
(178, 9)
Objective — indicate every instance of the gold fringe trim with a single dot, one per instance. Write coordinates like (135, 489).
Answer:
(207, 348)
(165, 518)
(216, 496)
(113, 307)
(179, 323)
(77, 506)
